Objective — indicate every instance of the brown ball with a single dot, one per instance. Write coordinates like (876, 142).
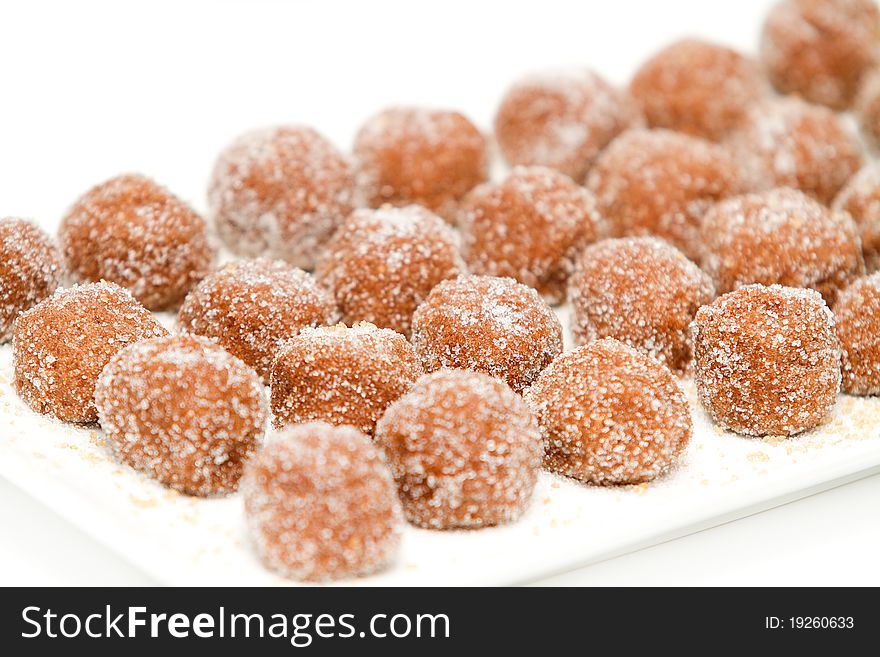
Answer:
(412, 155)
(529, 227)
(696, 87)
(562, 120)
(132, 232)
(860, 197)
(780, 236)
(659, 182)
(641, 291)
(857, 314)
(383, 263)
(183, 411)
(487, 324)
(767, 360)
(252, 307)
(320, 504)
(464, 449)
(342, 375)
(30, 270)
(61, 345)
(610, 415)
(789, 143)
(281, 192)
(820, 49)
(867, 108)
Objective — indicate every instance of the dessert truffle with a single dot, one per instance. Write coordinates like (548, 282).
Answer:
(860, 197)
(562, 120)
(857, 314)
(30, 270)
(132, 232)
(464, 450)
(529, 227)
(767, 360)
(252, 307)
(342, 375)
(641, 291)
(696, 87)
(780, 236)
(183, 411)
(281, 192)
(487, 324)
(383, 263)
(320, 504)
(661, 182)
(609, 415)
(867, 108)
(412, 155)
(61, 345)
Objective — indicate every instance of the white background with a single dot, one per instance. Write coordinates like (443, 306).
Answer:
(89, 90)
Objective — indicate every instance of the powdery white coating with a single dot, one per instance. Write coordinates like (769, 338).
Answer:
(281, 192)
(857, 314)
(342, 375)
(30, 270)
(252, 307)
(132, 232)
(464, 450)
(61, 345)
(641, 291)
(767, 360)
(860, 197)
(487, 324)
(321, 504)
(610, 415)
(786, 142)
(562, 120)
(529, 227)
(382, 264)
(183, 411)
(866, 108)
(659, 182)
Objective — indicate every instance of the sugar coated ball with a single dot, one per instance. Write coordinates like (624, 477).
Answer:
(342, 375)
(867, 108)
(464, 450)
(610, 415)
(281, 192)
(661, 182)
(641, 291)
(780, 236)
(61, 345)
(860, 197)
(820, 49)
(697, 87)
(183, 411)
(252, 307)
(30, 270)
(320, 504)
(409, 155)
(487, 324)
(857, 314)
(562, 120)
(529, 227)
(383, 263)
(767, 360)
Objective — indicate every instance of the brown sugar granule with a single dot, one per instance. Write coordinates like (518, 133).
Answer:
(183, 411)
(252, 307)
(281, 192)
(767, 360)
(342, 375)
(61, 345)
(320, 504)
(529, 227)
(464, 449)
(609, 414)
(30, 270)
(487, 324)
(132, 232)
(562, 120)
(780, 236)
(641, 291)
(861, 198)
(867, 108)
(383, 263)
(857, 315)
